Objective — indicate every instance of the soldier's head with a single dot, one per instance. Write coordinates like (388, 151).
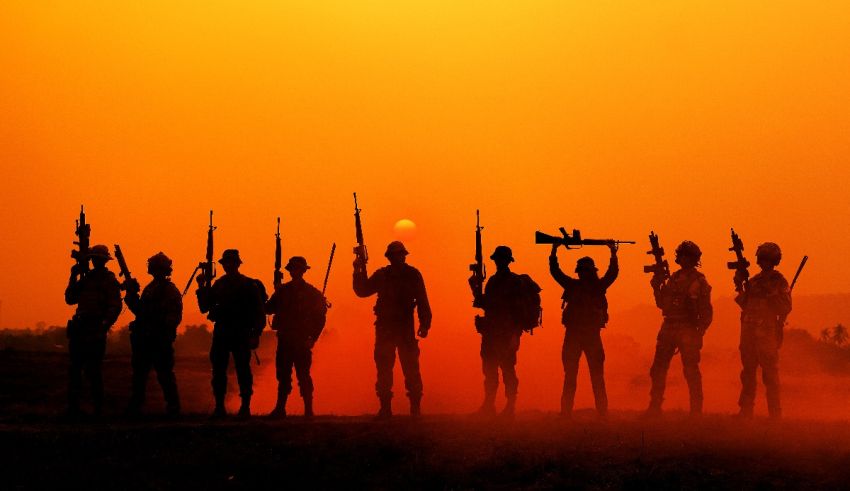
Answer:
(688, 255)
(99, 255)
(230, 261)
(586, 268)
(159, 265)
(768, 255)
(296, 266)
(503, 256)
(396, 253)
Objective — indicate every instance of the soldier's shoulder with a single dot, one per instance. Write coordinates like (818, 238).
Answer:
(527, 282)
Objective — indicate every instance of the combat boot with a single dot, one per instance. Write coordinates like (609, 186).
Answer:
(279, 410)
(415, 407)
(245, 408)
(386, 411)
(510, 408)
(746, 412)
(308, 407)
(653, 411)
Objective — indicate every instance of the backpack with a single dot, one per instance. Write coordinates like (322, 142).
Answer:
(529, 313)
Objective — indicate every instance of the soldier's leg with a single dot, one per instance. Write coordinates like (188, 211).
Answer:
(141, 361)
(220, 358)
(490, 369)
(75, 375)
(665, 348)
(690, 343)
(749, 366)
(303, 361)
(94, 371)
(595, 355)
(768, 354)
(408, 355)
(242, 364)
(570, 356)
(164, 364)
(384, 356)
(507, 362)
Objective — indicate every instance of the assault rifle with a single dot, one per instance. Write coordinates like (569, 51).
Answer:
(207, 268)
(660, 269)
(740, 264)
(125, 271)
(278, 274)
(328, 274)
(478, 269)
(575, 240)
(83, 233)
(360, 250)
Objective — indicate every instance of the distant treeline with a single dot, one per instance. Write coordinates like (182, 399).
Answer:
(193, 340)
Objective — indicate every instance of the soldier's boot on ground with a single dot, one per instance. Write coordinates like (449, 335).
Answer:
(386, 411)
(279, 410)
(308, 407)
(220, 411)
(415, 407)
(245, 408)
(746, 412)
(510, 408)
(696, 408)
(654, 410)
(774, 411)
(488, 407)
(172, 409)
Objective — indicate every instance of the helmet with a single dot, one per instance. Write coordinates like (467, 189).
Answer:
(99, 251)
(503, 252)
(297, 262)
(159, 262)
(770, 251)
(395, 247)
(230, 255)
(689, 249)
(585, 264)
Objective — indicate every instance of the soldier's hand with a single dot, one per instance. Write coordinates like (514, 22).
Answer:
(423, 331)
(613, 246)
(741, 277)
(656, 281)
(200, 278)
(76, 270)
(132, 286)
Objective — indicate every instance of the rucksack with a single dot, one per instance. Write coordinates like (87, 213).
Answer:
(529, 313)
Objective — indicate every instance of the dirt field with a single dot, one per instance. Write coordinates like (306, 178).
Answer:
(537, 450)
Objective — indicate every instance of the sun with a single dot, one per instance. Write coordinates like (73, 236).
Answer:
(404, 229)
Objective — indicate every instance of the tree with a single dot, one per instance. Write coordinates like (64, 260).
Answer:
(825, 335)
(839, 335)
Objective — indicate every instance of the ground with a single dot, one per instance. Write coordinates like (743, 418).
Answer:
(536, 450)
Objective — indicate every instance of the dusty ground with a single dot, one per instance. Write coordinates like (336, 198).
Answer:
(537, 450)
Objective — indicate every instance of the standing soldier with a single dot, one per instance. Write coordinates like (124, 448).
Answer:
(400, 290)
(765, 301)
(500, 328)
(235, 305)
(685, 303)
(299, 316)
(97, 296)
(586, 313)
(158, 311)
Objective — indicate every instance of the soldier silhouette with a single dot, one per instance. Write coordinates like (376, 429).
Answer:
(586, 313)
(299, 317)
(685, 303)
(400, 289)
(97, 296)
(765, 301)
(500, 328)
(235, 304)
(158, 311)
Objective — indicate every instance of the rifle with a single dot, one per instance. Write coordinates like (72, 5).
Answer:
(83, 232)
(661, 268)
(278, 274)
(783, 319)
(478, 269)
(328, 274)
(122, 265)
(360, 250)
(575, 240)
(207, 268)
(740, 263)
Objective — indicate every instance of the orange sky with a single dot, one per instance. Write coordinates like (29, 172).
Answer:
(612, 117)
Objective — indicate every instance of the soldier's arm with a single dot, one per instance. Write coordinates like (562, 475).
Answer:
(133, 301)
(613, 270)
(780, 299)
(423, 307)
(704, 310)
(174, 308)
(206, 298)
(72, 291)
(271, 305)
(364, 285)
(555, 271)
(113, 301)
